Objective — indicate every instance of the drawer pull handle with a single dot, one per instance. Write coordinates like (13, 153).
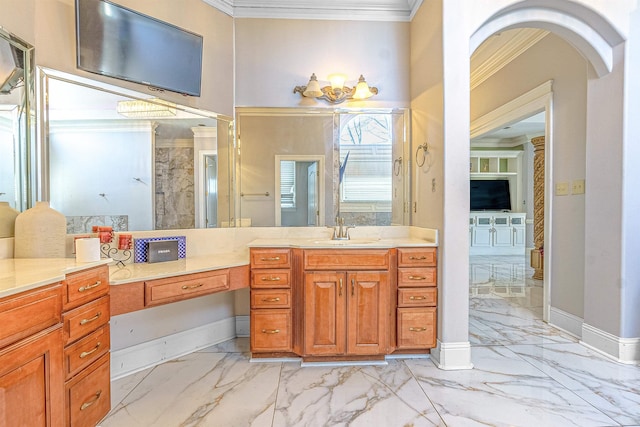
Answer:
(271, 331)
(271, 279)
(417, 277)
(340, 291)
(88, 287)
(417, 297)
(90, 402)
(87, 353)
(276, 299)
(96, 317)
(197, 285)
(417, 258)
(275, 258)
(353, 286)
(412, 329)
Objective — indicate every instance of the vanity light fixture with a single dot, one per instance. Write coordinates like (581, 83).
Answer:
(139, 108)
(337, 92)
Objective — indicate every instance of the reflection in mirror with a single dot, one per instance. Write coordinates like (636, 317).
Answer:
(16, 122)
(353, 152)
(126, 160)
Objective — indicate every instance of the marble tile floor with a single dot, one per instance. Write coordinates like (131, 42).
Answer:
(526, 373)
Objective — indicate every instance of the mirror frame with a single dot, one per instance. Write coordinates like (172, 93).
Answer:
(26, 172)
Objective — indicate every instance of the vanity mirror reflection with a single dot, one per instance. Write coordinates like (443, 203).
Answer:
(16, 123)
(305, 167)
(131, 161)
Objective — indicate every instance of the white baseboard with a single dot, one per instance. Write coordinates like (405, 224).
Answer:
(242, 326)
(452, 355)
(566, 322)
(623, 350)
(145, 355)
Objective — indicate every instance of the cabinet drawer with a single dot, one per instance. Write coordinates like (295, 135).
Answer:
(271, 330)
(271, 298)
(270, 258)
(173, 289)
(417, 276)
(417, 297)
(85, 286)
(416, 328)
(350, 259)
(30, 312)
(270, 279)
(82, 353)
(417, 257)
(86, 319)
(88, 395)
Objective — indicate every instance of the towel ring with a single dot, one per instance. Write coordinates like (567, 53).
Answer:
(398, 162)
(425, 153)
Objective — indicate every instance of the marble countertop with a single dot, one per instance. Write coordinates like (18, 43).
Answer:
(22, 274)
(355, 243)
(136, 272)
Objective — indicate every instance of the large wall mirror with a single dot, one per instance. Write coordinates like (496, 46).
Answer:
(134, 162)
(17, 122)
(305, 167)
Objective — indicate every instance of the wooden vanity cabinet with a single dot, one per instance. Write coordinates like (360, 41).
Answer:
(416, 318)
(270, 296)
(31, 367)
(346, 312)
(85, 318)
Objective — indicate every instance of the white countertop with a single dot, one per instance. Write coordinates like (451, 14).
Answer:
(355, 243)
(136, 272)
(19, 275)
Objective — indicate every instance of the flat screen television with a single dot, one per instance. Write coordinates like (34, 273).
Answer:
(114, 41)
(490, 195)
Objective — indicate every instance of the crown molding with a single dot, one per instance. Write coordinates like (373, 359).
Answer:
(336, 10)
(519, 42)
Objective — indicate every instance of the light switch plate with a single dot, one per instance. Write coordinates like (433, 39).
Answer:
(577, 187)
(562, 188)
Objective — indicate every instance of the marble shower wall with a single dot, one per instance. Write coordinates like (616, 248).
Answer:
(175, 206)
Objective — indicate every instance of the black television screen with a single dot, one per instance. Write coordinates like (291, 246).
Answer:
(490, 195)
(114, 41)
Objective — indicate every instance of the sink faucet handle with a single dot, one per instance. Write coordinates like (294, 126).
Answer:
(346, 231)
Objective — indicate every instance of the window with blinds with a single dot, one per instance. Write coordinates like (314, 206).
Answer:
(366, 144)
(287, 184)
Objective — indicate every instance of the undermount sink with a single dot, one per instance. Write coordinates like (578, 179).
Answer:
(350, 242)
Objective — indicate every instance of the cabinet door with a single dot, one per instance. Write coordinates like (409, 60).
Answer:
(481, 236)
(519, 236)
(502, 236)
(324, 313)
(31, 382)
(367, 319)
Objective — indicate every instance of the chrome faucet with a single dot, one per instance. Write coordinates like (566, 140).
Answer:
(340, 231)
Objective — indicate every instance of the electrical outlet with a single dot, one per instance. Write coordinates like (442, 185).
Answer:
(562, 188)
(577, 186)
(433, 185)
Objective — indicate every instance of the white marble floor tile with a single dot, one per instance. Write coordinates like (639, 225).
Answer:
(237, 345)
(202, 389)
(353, 396)
(611, 387)
(503, 390)
(122, 387)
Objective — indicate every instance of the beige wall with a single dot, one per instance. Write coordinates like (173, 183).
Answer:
(50, 27)
(554, 59)
(275, 55)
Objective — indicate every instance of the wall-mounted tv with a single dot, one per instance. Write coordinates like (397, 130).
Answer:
(114, 41)
(490, 195)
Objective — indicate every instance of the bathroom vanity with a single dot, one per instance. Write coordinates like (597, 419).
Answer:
(350, 300)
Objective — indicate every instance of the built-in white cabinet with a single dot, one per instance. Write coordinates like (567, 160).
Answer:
(497, 233)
